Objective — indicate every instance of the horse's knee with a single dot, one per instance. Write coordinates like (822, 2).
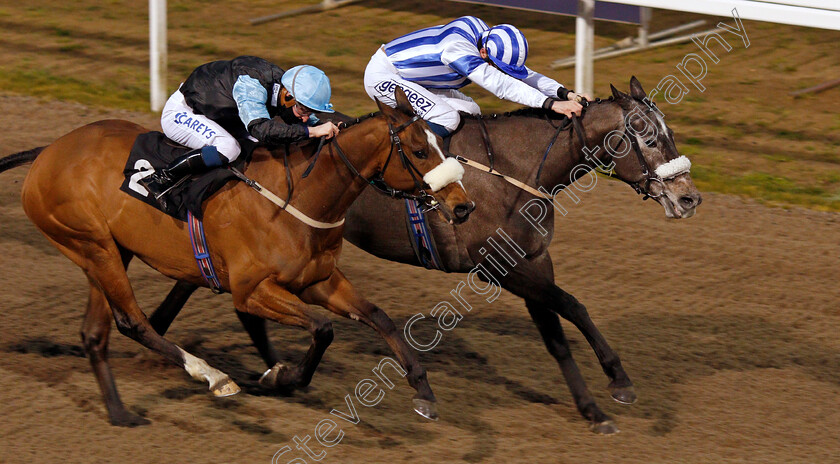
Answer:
(94, 341)
(129, 327)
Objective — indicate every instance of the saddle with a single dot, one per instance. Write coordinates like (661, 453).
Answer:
(153, 150)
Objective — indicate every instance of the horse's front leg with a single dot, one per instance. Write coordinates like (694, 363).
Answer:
(534, 281)
(338, 295)
(255, 326)
(271, 301)
(558, 346)
(568, 307)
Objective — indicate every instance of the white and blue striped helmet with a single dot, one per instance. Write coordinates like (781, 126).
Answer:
(507, 49)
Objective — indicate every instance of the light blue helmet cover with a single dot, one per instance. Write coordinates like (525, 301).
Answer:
(507, 48)
(310, 87)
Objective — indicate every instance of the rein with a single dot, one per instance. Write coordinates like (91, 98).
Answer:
(378, 182)
(285, 205)
(642, 187)
(486, 136)
(519, 184)
(511, 180)
(554, 139)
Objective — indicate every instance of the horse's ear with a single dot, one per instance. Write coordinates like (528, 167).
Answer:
(385, 109)
(402, 102)
(617, 93)
(636, 89)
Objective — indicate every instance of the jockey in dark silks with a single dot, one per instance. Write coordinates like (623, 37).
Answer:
(247, 97)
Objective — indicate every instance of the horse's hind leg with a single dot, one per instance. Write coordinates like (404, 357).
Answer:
(166, 312)
(270, 301)
(96, 330)
(169, 308)
(102, 263)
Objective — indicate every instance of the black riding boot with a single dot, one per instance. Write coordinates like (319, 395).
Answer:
(193, 162)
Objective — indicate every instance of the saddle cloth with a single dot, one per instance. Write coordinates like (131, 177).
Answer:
(153, 150)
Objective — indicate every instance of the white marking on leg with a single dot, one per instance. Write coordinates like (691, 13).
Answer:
(200, 370)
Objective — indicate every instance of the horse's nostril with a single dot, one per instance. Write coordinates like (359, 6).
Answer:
(688, 202)
(463, 210)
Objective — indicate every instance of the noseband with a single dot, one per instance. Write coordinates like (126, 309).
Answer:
(378, 182)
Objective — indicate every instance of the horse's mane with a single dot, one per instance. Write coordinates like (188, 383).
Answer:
(530, 112)
(359, 119)
(527, 112)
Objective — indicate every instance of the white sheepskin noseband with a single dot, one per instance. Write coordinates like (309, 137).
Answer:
(444, 174)
(674, 168)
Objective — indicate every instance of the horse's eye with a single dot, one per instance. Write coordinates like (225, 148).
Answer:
(650, 142)
(420, 154)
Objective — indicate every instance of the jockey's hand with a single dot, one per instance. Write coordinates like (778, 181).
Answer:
(572, 96)
(327, 129)
(567, 108)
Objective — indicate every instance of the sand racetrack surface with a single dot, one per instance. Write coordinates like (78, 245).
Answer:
(727, 323)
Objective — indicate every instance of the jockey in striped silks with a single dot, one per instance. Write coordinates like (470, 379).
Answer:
(433, 63)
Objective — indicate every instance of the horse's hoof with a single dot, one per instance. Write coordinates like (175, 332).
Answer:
(606, 427)
(624, 395)
(280, 377)
(425, 408)
(225, 387)
(127, 419)
(269, 378)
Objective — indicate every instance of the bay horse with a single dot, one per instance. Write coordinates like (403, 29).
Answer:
(272, 263)
(518, 139)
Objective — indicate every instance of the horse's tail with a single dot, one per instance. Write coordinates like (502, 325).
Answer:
(19, 159)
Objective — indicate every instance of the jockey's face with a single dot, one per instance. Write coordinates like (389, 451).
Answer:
(484, 56)
(302, 112)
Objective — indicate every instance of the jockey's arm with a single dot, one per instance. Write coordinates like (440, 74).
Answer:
(250, 97)
(515, 90)
(507, 87)
(548, 86)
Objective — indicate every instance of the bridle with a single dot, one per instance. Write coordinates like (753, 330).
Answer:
(378, 182)
(649, 175)
(641, 187)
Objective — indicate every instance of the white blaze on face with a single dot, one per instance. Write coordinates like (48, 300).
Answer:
(676, 166)
(430, 137)
(662, 124)
(450, 170)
